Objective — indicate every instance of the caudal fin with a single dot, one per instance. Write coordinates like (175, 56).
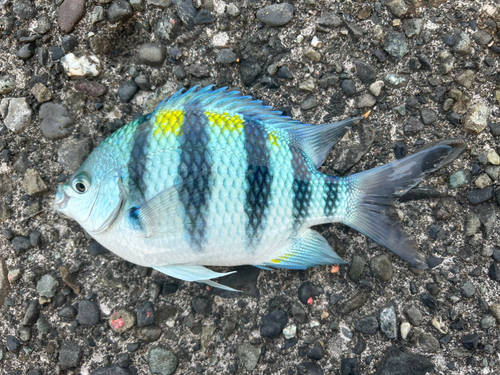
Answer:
(372, 191)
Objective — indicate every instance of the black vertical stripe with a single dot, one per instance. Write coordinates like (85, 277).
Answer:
(138, 160)
(258, 180)
(195, 171)
(330, 189)
(301, 188)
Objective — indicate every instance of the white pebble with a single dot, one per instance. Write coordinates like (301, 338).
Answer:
(316, 43)
(81, 66)
(493, 157)
(405, 329)
(220, 39)
(300, 39)
(290, 331)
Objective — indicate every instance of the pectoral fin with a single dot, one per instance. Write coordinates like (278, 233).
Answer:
(164, 213)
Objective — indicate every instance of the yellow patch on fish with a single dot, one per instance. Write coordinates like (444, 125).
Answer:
(225, 121)
(168, 121)
(273, 139)
(282, 258)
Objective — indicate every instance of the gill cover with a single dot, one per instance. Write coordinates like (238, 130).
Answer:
(107, 205)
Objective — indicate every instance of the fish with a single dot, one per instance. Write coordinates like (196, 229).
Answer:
(214, 178)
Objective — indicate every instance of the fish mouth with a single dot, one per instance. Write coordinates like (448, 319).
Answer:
(61, 199)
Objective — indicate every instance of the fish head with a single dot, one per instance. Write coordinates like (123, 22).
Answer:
(92, 196)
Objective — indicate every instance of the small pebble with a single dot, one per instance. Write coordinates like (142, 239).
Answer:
(162, 361)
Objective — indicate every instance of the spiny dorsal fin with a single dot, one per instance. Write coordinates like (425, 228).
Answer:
(315, 140)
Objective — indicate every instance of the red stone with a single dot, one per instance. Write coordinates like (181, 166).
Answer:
(70, 12)
(90, 88)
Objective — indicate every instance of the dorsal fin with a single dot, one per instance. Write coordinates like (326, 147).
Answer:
(315, 140)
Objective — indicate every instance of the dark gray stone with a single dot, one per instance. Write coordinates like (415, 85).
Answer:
(88, 313)
(162, 361)
(73, 152)
(413, 125)
(365, 72)
(127, 91)
(69, 355)
(199, 71)
(381, 267)
(428, 343)
(470, 341)
(186, 11)
(69, 43)
(244, 280)
(414, 316)
(47, 286)
(276, 14)
(477, 196)
(56, 122)
(201, 305)
(152, 54)
(143, 82)
(349, 366)
(32, 313)
(309, 102)
(487, 216)
(12, 343)
(21, 243)
(348, 87)
(283, 72)
(481, 37)
(226, 56)
(111, 370)
(24, 9)
(120, 10)
(367, 324)
(299, 313)
(356, 267)
(468, 289)
(179, 72)
(273, 323)
(352, 304)
(309, 368)
(145, 314)
(204, 17)
(27, 51)
(396, 45)
(68, 312)
(307, 290)
(428, 115)
(396, 361)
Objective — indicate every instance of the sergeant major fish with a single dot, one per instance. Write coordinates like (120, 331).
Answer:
(213, 178)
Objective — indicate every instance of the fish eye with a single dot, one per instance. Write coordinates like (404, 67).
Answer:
(81, 183)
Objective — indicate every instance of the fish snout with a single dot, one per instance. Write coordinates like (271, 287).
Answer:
(61, 199)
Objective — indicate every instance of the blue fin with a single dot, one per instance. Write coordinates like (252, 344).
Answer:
(195, 273)
(315, 140)
(308, 249)
(378, 188)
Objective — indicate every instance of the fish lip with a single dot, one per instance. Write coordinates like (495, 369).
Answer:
(61, 199)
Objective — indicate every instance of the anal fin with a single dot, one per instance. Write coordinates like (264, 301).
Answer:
(308, 249)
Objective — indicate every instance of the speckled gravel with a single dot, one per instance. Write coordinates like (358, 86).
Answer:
(72, 72)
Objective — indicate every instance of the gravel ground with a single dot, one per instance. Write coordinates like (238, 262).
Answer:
(72, 72)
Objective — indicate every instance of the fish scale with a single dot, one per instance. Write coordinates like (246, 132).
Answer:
(212, 178)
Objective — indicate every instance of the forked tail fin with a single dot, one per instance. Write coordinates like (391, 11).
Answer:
(372, 191)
